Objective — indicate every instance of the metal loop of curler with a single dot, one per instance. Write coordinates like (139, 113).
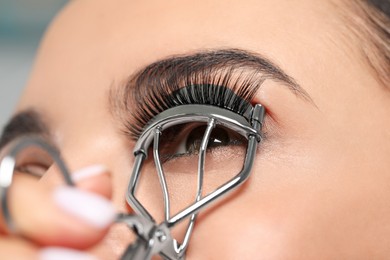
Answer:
(7, 168)
(157, 238)
(160, 173)
(164, 186)
(201, 164)
(133, 185)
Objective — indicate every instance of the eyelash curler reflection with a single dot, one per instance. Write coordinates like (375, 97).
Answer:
(156, 238)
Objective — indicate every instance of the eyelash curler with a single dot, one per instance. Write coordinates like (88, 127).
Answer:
(156, 238)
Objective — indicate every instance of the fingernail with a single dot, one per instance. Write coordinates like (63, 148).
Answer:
(88, 172)
(93, 208)
(58, 253)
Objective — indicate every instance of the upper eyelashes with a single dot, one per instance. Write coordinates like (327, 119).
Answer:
(226, 78)
(205, 94)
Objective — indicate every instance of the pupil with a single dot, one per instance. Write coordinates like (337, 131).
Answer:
(218, 137)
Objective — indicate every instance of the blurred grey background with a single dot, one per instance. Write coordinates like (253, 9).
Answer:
(22, 24)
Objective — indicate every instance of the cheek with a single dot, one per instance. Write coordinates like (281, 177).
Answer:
(292, 225)
(241, 229)
(310, 204)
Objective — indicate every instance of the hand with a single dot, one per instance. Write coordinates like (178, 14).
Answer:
(57, 221)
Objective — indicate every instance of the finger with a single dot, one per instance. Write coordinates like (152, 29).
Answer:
(96, 179)
(60, 216)
(17, 248)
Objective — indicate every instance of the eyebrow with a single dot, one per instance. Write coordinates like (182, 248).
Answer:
(28, 122)
(173, 70)
(145, 92)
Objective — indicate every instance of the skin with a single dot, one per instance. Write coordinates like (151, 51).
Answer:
(320, 185)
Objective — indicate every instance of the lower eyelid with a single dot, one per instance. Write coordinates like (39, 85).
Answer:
(228, 150)
(218, 151)
(172, 157)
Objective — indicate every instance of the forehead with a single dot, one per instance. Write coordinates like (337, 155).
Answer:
(104, 41)
(93, 45)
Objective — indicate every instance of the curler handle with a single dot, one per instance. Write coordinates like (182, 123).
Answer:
(139, 250)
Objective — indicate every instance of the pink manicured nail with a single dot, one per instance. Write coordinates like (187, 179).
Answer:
(93, 208)
(88, 172)
(58, 253)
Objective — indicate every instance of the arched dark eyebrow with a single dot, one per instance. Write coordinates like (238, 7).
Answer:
(145, 93)
(27, 122)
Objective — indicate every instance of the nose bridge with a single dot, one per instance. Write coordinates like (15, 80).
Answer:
(97, 147)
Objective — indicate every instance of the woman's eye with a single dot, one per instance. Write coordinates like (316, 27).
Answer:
(218, 137)
(187, 140)
(33, 161)
(34, 169)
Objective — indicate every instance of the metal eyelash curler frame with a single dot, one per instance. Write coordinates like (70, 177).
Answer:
(154, 238)
(7, 166)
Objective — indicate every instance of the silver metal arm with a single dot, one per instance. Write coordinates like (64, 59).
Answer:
(7, 168)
